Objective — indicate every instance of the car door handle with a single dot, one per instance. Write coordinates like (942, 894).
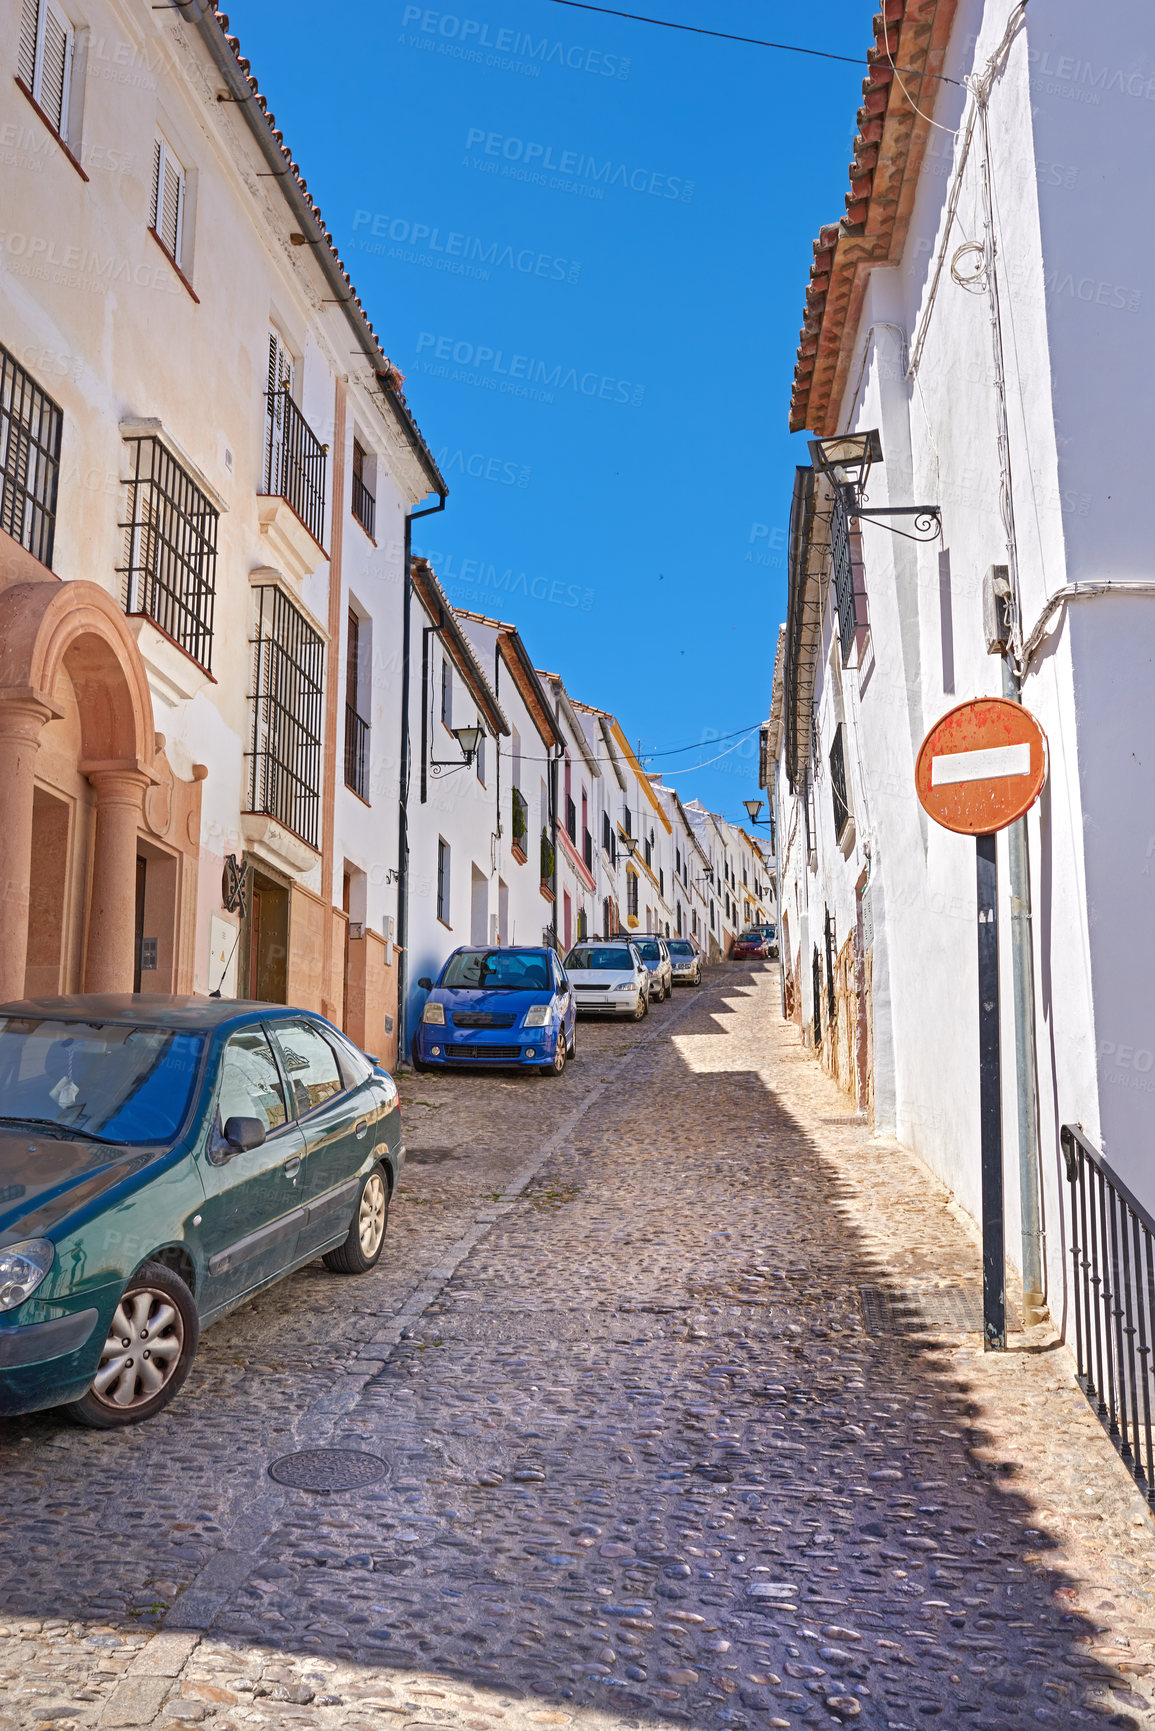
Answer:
(292, 1166)
(361, 1127)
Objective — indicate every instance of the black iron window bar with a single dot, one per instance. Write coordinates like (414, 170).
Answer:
(1112, 1238)
(30, 430)
(295, 461)
(285, 757)
(364, 505)
(838, 782)
(169, 573)
(356, 753)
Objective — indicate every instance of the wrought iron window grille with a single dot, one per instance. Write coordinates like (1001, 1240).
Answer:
(295, 461)
(571, 819)
(520, 817)
(1112, 1239)
(838, 782)
(169, 574)
(30, 431)
(357, 732)
(364, 506)
(285, 753)
(588, 849)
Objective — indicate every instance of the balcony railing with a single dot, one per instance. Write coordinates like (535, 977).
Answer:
(571, 820)
(548, 858)
(356, 753)
(588, 849)
(364, 505)
(170, 550)
(30, 428)
(1112, 1239)
(285, 754)
(295, 462)
(519, 818)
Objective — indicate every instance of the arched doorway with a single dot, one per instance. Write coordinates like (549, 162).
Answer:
(87, 793)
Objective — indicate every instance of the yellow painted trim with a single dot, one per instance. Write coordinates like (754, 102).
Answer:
(643, 778)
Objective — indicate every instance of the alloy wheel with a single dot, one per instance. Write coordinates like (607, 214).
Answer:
(143, 1350)
(372, 1214)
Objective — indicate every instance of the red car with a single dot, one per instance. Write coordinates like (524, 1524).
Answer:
(748, 946)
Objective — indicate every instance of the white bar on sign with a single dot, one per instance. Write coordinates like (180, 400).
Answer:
(988, 765)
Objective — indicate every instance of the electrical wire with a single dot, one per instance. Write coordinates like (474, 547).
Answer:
(739, 734)
(749, 41)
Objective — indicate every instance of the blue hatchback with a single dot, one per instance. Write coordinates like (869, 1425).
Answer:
(497, 1006)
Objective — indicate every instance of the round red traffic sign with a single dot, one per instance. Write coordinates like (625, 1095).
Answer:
(981, 766)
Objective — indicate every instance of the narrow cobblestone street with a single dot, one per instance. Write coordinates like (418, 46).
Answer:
(661, 1445)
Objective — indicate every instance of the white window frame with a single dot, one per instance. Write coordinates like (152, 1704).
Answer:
(36, 14)
(163, 156)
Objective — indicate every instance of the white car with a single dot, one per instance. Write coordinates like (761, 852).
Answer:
(608, 979)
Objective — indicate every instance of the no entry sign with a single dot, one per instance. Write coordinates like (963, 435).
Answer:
(981, 766)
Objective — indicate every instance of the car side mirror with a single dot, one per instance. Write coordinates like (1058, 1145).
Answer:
(241, 1134)
(425, 983)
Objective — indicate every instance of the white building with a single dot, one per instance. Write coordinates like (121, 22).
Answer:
(206, 474)
(985, 308)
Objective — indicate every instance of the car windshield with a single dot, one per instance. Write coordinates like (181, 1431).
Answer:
(97, 1079)
(682, 949)
(598, 960)
(497, 970)
(649, 952)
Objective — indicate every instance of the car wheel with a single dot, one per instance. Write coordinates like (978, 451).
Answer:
(148, 1353)
(362, 1249)
(640, 1007)
(557, 1068)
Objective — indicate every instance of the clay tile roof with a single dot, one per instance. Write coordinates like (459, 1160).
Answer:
(389, 377)
(888, 152)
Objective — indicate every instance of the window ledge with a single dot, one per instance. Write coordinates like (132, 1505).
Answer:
(172, 672)
(372, 540)
(184, 279)
(21, 86)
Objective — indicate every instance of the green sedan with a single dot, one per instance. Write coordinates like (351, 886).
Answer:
(161, 1160)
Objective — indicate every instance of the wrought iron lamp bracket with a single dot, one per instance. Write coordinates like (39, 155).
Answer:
(927, 519)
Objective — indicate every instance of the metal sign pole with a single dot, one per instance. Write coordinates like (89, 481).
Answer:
(990, 1098)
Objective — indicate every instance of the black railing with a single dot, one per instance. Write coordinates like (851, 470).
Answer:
(520, 817)
(571, 819)
(838, 782)
(295, 461)
(285, 756)
(170, 550)
(356, 753)
(30, 428)
(588, 849)
(1112, 1240)
(364, 505)
(548, 858)
(842, 561)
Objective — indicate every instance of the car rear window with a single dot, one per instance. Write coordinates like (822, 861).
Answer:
(677, 949)
(599, 959)
(117, 1083)
(649, 952)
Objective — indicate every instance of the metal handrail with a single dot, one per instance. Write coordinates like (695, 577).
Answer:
(1113, 1288)
(295, 461)
(356, 753)
(364, 506)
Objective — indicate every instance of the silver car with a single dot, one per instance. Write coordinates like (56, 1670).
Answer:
(651, 947)
(608, 979)
(686, 961)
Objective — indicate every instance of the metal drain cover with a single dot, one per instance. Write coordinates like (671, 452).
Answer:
(329, 1470)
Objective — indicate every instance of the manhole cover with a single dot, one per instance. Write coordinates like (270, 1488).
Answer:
(328, 1470)
(953, 1309)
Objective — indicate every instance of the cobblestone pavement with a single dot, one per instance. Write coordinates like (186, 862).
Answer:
(660, 1448)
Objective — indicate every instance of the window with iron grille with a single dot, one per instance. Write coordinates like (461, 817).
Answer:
(443, 881)
(816, 987)
(846, 559)
(364, 504)
(30, 430)
(295, 459)
(285, 757)
(582, 926)
(588, 849)
(45, 60)
(831, 997)
(356, 727)
(570, 819)
(520, 817)
(838, 782)
(632, 893)
(169, 574)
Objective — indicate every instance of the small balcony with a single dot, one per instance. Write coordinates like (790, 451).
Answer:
(356, 753)
(364, 506)
(295, 470)
(519, 825)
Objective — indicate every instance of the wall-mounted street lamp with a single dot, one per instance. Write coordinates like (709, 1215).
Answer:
(630, 843)
(846, 459)
(753, 807)
(468, 738)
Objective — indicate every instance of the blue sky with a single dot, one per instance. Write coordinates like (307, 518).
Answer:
(590, 267)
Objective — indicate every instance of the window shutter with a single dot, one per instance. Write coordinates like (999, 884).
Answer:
(55, 67)
(26, 59)
(167, 199)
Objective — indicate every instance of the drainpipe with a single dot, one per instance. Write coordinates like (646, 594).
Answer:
(406, 772)
(1026, 1080)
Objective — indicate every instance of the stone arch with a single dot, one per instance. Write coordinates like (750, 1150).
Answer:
(77, 626)
(62, 643)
